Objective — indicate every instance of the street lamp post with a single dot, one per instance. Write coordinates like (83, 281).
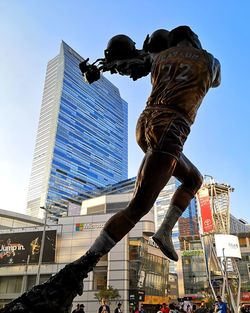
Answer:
(42, 245)
(24, 281)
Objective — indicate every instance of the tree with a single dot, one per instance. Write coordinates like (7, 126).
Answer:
(109, 293)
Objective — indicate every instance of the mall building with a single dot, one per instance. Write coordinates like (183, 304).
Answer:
(135, 266)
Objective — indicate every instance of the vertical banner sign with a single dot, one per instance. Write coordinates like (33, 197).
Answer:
(205, 210)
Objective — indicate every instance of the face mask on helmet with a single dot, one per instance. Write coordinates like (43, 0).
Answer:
(181, 33)
(120, 47)
(157, 42)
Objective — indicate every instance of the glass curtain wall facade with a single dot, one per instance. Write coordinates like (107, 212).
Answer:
(194, 267)
(82, 139)
(147, 272)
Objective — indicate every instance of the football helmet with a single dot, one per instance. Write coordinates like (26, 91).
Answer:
(157, 42)
(119, 47)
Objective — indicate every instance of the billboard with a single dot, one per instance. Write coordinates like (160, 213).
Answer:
(227, 246)
(15, 247)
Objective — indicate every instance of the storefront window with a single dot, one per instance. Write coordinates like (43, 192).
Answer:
(100, 277)
(10, 284)
(147, 271)
(243, 242)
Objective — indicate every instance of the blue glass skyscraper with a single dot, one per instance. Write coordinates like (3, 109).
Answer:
(81, 141)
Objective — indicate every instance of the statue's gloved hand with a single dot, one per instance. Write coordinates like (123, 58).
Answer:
(134, 68)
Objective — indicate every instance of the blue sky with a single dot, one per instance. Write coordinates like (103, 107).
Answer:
(31, 33)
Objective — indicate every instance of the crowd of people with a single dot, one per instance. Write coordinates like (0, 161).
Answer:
(103, 308)
(186, 307)
(244, 308)
(218, 306)
(79, 308)
(176, 308)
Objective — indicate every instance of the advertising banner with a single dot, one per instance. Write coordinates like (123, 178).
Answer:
(15, 247)
(227, 246)
(205, 210)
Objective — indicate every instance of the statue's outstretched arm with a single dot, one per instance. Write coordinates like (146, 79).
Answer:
(135, 67)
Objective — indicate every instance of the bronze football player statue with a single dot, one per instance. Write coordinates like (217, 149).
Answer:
(181, 74)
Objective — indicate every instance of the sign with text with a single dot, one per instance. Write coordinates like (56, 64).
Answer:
(94, 226)
(15, 247)
(245, 296)
(227, 246)
(136, 295)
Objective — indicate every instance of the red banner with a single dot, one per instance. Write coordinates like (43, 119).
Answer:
(205, 210)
